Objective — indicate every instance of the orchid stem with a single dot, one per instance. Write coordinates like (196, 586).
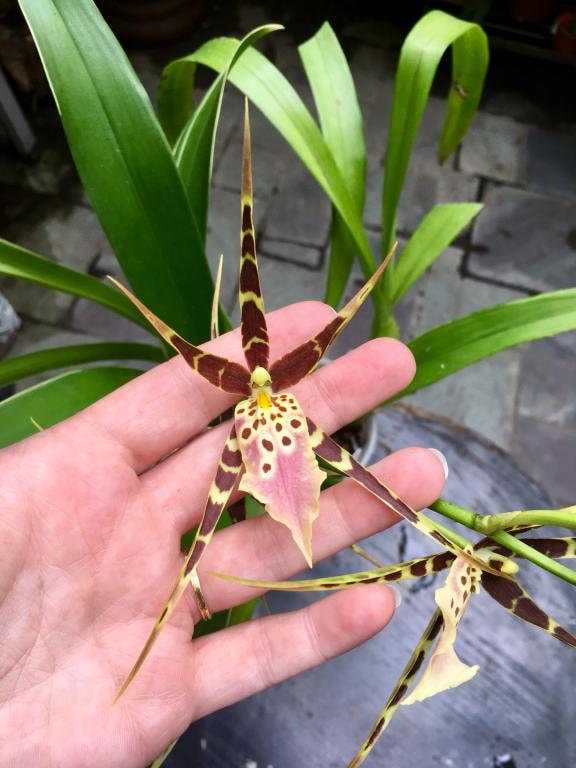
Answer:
(565, 517)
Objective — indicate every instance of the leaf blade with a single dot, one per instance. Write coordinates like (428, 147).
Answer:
(419, 59)
(342, 126)
(16, 368)
(127, 168)
(434, 233)
(467, 340)
(57, 399)
(20, 263)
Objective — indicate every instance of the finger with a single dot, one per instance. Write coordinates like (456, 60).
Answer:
(250, 657)
(263, 549)
(335, 395)
(162, 409)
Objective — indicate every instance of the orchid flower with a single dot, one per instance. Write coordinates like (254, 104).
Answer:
(272, 447)
(444, 669)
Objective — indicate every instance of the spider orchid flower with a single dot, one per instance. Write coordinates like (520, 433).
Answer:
(444, 669)
(270, 451)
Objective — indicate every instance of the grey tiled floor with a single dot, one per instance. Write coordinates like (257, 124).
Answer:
(516, 159)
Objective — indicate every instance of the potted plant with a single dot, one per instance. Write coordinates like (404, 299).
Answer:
(148, 180)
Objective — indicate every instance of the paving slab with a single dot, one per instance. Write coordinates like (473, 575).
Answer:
(482, 396)
(551, 161)
(525, 239)
(93, 319)
(495, 148)
(548, 381)
(9, 324)
(57, 229)
(299, 212)
(547, 452)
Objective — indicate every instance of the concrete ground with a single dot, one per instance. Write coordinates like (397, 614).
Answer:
(518, 159)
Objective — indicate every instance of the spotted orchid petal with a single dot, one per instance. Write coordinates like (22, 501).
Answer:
(445, 670)
(281, 471)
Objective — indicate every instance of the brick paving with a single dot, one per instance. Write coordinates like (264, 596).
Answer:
(516, 160)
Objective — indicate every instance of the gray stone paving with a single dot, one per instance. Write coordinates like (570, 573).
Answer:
(524, 241)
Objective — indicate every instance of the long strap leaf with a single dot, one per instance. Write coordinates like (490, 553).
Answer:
(271, 92)
(419, 59)
(57, 399)
(25, 265)
(342, 127)
(124, 161)
(16, 368)
(459, 343)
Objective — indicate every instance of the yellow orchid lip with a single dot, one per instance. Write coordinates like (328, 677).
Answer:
(263, 399)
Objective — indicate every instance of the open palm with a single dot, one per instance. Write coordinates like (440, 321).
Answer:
(90, 525)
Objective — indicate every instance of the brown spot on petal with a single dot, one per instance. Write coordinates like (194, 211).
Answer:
(246, 432)
(565, 636)
(278, 427)
(295, 423)
(394, 576)
(268, 445)
(286, 441)
(418, 569)
(266, 467)
(399, 695)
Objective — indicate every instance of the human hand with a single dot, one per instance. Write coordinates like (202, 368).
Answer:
(90, 526)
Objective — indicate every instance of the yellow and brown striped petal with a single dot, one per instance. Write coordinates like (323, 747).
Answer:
(222, 373)
(400, 689)
(342, 461)
(222, 486)
(516, 600)
(255, 340)
(293, 366)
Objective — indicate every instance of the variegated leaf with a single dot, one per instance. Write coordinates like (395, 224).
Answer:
(281, 470)
(445, 670)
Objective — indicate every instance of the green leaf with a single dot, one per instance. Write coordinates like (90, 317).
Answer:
(194, 150)
(460, 343)
(18, 262)
(419, 59)
(341, 122)
(57, 399)
(269, 90)
(125, 162)
(16, 368)
(434, 233)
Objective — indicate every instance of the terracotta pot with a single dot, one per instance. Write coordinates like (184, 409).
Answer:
(152, 22)
(564, 37)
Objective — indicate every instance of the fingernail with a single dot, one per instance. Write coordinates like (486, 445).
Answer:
(442, 459)
(396, 594)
